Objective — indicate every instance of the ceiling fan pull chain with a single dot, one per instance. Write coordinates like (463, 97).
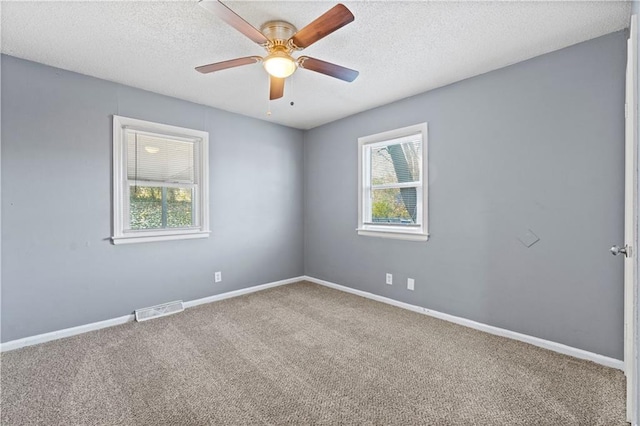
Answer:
(291, 89)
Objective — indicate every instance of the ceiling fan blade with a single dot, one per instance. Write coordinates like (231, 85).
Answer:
(335, 18)
(327, 68)
(205, 69)
(276, 87)
(230, 17)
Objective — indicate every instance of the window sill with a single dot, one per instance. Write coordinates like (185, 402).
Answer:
(140, 238)
(408, 236)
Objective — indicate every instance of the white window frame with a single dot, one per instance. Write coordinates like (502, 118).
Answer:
(121, 183)
(365, 144)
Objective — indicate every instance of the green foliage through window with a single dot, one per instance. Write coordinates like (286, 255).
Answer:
(160, 207)
(392, 206)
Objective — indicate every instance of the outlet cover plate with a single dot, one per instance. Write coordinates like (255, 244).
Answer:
(410, 284)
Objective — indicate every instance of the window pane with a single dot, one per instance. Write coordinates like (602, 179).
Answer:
(396, 163)
(145, 207)
(160, 207)
(394, 205)
(179, 207)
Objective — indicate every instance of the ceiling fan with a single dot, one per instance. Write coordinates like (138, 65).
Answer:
(280, 39)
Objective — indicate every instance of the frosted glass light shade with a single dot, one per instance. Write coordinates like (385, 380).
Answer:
(279, 65)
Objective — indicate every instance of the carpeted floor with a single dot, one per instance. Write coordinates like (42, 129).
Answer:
(302, 354)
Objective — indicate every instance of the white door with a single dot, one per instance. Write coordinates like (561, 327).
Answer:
(630, 249)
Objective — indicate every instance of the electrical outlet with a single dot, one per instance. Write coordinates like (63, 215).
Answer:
(218, 276)
(389, 279)
(410, 283)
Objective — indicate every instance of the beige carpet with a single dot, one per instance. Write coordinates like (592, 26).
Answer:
(302, 354)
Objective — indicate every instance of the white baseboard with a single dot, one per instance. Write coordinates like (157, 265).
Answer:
(240, 292)
(536, 341)
(68, 332)
(61, 334)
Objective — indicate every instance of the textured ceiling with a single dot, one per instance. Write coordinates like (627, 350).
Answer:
(400, 48)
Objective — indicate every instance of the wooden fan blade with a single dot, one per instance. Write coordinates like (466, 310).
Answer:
(335, 18)
(327, 68)
(205, 69)
(230, 17)
(276, 87)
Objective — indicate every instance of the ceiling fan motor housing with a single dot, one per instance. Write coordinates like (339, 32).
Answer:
(279, 62)
(278, 32)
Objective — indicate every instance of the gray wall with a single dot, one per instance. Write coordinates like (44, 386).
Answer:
(58, 267)
(538, 145)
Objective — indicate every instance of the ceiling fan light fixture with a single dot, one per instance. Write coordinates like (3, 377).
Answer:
(280, 64)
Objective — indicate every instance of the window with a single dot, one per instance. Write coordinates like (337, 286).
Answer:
(160, 182)
(392, 187)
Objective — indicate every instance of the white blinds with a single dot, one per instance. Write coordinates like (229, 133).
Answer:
(160, 159)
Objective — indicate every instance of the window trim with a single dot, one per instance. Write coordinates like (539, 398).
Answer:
(120, 180)
(418, 232)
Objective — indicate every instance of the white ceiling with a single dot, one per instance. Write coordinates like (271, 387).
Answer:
(400, 48)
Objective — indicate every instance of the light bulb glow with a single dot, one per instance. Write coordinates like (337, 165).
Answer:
(279, 65)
